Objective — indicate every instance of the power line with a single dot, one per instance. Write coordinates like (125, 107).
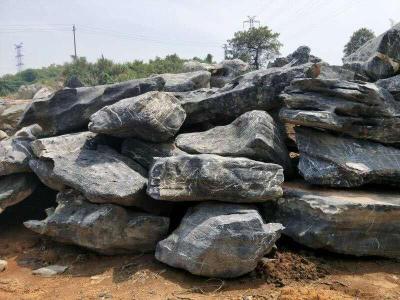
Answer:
(18, 48)
(251, 20)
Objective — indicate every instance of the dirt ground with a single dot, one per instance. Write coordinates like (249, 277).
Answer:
(291, 273)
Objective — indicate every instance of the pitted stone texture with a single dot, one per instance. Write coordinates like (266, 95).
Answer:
(145, 152)
(326, 159)
(352, 222)
(391, 84)
(69, 109)
(361, 110)
(219, 240)
(184, 82)
(15, 188)
(11, 112)
(212, 177)
(154, 116)
(253, 135)
(106, 228)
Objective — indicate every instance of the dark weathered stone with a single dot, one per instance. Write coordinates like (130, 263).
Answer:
(219, 240)
(212, 177)
(184, 82)
(335, 72)
(144, 152)
(227, 70)
(361, 110)
(326, 159)
(300, 56)
(350, 222)
(255, 90)
(378, 58)
(154, 116)
(69, 110)
(392, 84)
(106, 228)
(15, 188)
(253, 135)
(99, 172)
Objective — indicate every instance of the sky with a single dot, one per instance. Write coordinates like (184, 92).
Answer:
(125, 30)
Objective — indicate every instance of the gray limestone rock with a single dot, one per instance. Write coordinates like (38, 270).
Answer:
(50, 271)
(391, 84)
(106, 228)
(254, 135)
(154, 116)
(11, 112)
(219, 240)
(378, 58)
(184, 82)
(361, 110)
(227, 70)
(352, 222)
(212, 177)
(15, 188)
(69, 109)
(145, 152)
(327, 159)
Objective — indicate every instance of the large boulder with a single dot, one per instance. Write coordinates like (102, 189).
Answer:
(361, 110)
(227, 70)
(212, 177)
(219, 240)
(145, 152)
(100, 173)
(194, 65)
(15, 188)
(257, 90)
(379, 57)
(300, 56)
(106, 228)
(343, 221)
(391, 84)
(327, 159)
(28, 91)
(154, 116)
(184, 82)
(254, 135)
(11, 112)
(69, 109)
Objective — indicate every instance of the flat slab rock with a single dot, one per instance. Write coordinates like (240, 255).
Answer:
(50, 271)
(184, 82)
(145, 152)
(212, 177)
(327, 159)
(154, 116)
(360, 110)
(219, 240)
(253, 135)
(69, 109)
(15, 188)
(99, 172)
(255, 90)
(355, 222)
(104, 228)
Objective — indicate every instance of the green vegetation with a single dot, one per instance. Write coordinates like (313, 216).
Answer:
(255, 46)
(359, 38)
(103, 71)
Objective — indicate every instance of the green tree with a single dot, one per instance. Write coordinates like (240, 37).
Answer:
(255, 46)
(359, 38)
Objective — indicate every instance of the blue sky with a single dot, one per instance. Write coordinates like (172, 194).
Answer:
(125, 30)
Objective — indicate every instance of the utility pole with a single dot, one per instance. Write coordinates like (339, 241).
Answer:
(251, 20)
(73, 30)
(18, 48)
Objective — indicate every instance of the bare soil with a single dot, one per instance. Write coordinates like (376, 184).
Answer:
(290, 273)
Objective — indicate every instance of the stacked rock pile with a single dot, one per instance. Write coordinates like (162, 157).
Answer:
(126, 157)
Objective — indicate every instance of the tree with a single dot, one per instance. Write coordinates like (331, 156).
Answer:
(256, 46)
(359, 38)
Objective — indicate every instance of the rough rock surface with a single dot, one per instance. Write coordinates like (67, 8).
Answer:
(99, 172)
(392, 84)
(212, 177)
(193, 65)
(15, 188)
(227, 70)
(106, 228)
(43, 93)
(300, 56)
(344, 221)
(3, 265)
(378, 58)
(50, 271)
(255, 90)
(219, 240)
(184, 82)
(69, 109)
(361, 110)
(144, 152)
(253, 135)
(327, 159)
(335, 72)
(11, 112)
(154, 116)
